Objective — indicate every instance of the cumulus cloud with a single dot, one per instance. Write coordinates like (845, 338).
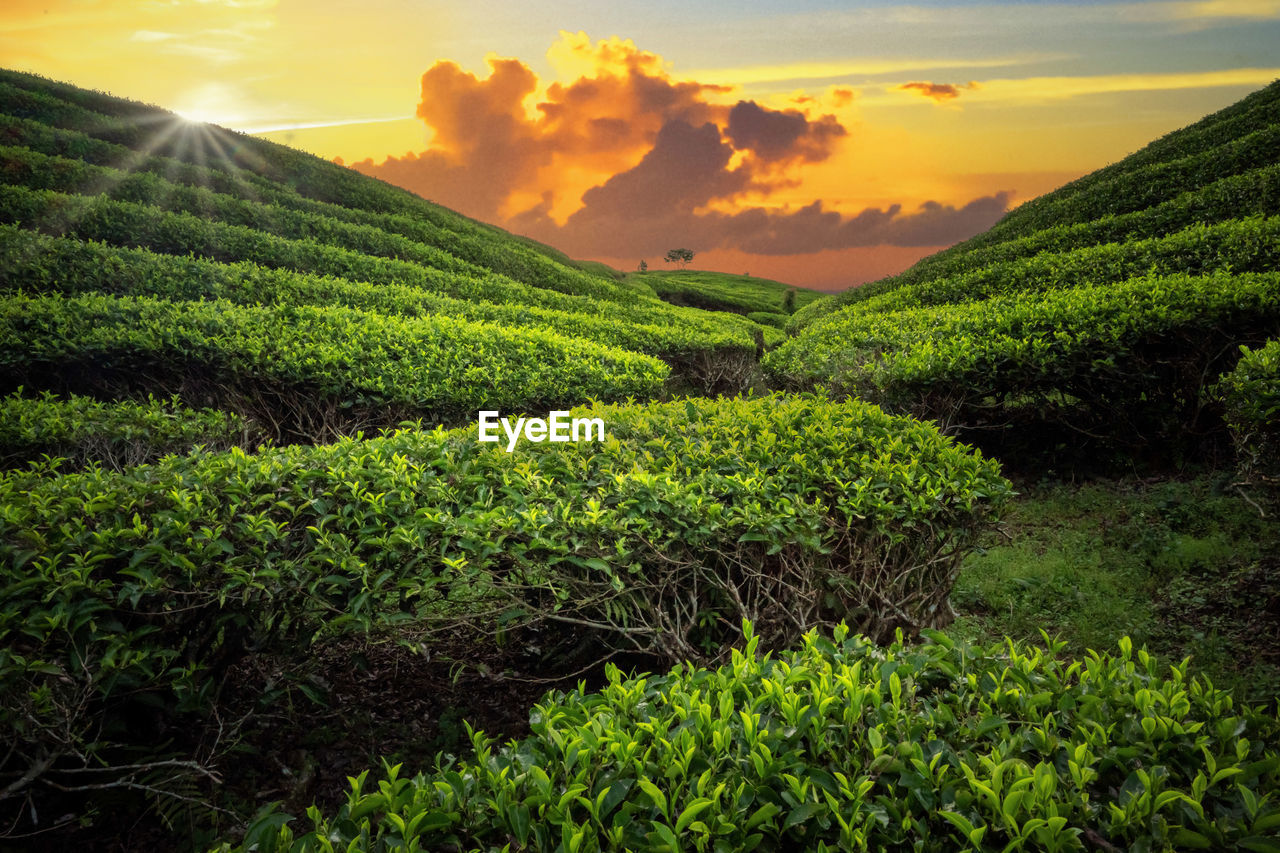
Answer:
(489, 150)
(774, 136)
(623, 160)
(939, 92)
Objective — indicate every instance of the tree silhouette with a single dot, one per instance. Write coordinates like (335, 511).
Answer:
(679, 256)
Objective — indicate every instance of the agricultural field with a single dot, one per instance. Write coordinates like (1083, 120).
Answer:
(980, 556)
(761, 299)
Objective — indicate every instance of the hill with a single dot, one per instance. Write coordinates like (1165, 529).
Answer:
(252, 542)
(1095, 316)
(1219, 169)
(179, 212)
(760, 299)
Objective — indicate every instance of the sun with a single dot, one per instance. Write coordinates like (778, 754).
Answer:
(211, 103)
(198, 116)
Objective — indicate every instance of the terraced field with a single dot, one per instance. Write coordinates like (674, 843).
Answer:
(1097, 314)
(251, 543)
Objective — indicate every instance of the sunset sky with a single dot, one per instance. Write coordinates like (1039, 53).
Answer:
(826, 144)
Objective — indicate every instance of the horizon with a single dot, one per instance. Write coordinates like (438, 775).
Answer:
(824, 147)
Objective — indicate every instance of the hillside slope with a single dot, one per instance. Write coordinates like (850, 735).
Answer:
(1093, 318)
(742, 294)
(149, 214)
(1223, 167)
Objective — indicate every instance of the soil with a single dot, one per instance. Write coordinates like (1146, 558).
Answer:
(302, 731)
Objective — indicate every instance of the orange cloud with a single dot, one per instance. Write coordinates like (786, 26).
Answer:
(842, 97)
(939, 92)
(488, 151)
(624, 159)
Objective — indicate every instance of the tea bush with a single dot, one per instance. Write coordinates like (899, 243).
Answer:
(1238, 245)
(82, 430)
(1145, 186)
(723, 292)
(58, 142)
(1254, 193)
(768, 318)
(135, 225)
(87, 99)
(843, 745)
(305, 373)
(1251, 393)
(34, 104)
(137, 589)
(23, 167)
(461, 238)
(38, 264)
(1129, 359)
(139, 225)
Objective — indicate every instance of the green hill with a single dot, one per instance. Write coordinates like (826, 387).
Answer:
(252, 540)
(1222, 168)
(1097, 315)
(215, 209)
(714, 291)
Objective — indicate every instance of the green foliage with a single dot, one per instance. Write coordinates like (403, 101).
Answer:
(57, 142)
(274, 211)
(1129, 359)
(139, 588)
(1237, 245)
(139, 225)
(715, 291)
(82, 430)
(38, 264)
(1144, 186)
(1251, 393)
(1178, 563)
(768, 318)
(306, 373)
(844, 745)
(318, 302)
(1254, 193)
(129, 224)
(87, 99)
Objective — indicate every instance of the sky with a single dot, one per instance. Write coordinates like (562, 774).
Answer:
(820, 143)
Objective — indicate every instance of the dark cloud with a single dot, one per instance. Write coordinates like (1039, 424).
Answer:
(938, 91)
(778, 136)
(762, 231)
(687, 167)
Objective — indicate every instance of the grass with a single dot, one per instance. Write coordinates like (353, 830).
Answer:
(717, 291)
(1186, 567)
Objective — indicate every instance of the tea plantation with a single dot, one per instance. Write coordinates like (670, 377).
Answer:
(260, 577)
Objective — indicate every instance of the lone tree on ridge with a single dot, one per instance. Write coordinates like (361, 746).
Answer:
(679, 256)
